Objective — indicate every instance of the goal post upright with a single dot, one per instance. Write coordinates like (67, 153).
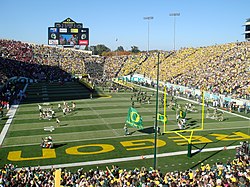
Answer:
(165, 107)
(191, 131)
(202, 109)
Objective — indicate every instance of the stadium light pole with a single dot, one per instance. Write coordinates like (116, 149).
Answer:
(156, 113)
(174, 15)
(116, 46)
(148, 19)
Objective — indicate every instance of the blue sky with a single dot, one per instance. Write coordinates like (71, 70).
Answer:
(201, 22)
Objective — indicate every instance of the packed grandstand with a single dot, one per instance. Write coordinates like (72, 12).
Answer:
(219, 69)
(222, 69)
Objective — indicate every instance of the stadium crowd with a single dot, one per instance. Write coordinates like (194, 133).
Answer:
(230, 174)
(222, 69)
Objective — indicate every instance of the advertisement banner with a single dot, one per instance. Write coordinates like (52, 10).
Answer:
(74, 30)
(53, 42)
(83, 42)
(63, 30)
(53, 30)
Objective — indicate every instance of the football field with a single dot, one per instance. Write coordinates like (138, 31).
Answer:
(92, 134)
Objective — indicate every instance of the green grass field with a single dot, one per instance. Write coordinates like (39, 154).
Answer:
(93, 134)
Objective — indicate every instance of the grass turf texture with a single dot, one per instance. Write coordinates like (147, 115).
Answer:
(100, 121)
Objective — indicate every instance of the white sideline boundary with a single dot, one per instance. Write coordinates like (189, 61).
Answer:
(183, 98)
(108, 161)
(11, 113)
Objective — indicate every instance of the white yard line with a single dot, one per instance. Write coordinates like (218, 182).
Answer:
(102, 119)
(96, 124)
(139, 157)
(111, 137)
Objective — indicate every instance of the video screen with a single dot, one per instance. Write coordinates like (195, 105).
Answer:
(68, 39)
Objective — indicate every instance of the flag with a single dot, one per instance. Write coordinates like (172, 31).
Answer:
(134, 119)
(161, 117)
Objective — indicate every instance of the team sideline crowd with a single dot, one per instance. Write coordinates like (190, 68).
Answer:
(229, 174)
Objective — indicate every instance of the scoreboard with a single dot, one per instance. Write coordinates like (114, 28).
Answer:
(68, 36)
(68, 33)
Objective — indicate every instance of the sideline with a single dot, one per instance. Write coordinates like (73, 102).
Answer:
(11, 113)
(108, 161)
(183, 98)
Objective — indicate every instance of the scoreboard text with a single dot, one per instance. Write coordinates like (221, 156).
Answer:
(68, 33)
